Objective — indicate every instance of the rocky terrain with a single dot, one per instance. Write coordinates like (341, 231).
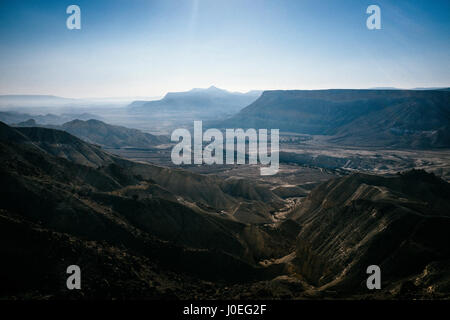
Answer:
(139, 230)
(400, 223)
(90, 195)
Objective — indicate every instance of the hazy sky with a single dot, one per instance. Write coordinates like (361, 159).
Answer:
(146, 48)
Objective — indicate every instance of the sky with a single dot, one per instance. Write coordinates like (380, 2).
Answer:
(147, 48)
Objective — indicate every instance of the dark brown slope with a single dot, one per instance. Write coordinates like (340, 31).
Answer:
(215, 192)
(400, 223)
(35, 260)
(63, 145)
(211, 190)
(75, 198)
(106, 212)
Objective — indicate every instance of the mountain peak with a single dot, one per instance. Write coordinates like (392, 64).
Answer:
(209, 89)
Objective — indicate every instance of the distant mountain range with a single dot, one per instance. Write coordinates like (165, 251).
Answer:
(103, 134)
(206, 101)
(394, 118)
(12, 117)
(380, 117)
(98, 132)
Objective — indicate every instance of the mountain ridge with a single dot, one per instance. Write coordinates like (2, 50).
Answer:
(104, 134)
(397, 118)
(207, 100)
(351, 222)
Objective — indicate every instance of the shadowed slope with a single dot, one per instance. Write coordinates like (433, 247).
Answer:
(399, 223)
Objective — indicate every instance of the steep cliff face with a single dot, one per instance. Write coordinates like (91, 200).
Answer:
(394, 118)
(399, 223)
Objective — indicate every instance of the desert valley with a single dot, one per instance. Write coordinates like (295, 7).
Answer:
(363, 180)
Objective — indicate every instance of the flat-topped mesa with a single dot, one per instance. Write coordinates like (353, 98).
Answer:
(394, 118)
